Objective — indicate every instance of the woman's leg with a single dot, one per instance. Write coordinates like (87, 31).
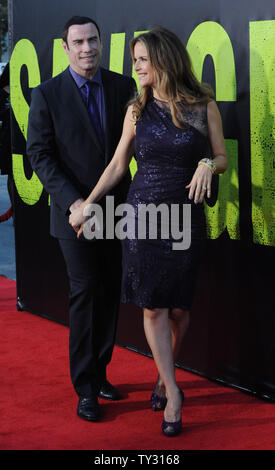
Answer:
(179, 322)
(158, 333)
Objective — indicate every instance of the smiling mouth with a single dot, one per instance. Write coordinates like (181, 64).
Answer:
(88, 57)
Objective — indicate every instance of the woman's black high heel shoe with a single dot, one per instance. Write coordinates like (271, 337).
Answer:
(159, 402)
(172, 429)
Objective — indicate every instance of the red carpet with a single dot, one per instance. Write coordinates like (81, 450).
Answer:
(38, 404)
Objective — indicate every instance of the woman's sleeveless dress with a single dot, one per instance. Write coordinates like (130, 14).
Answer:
(154, 274)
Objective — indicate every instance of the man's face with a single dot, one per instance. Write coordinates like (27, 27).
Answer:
(83, 48)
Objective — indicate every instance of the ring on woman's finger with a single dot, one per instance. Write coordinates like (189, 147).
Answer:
(204, 187)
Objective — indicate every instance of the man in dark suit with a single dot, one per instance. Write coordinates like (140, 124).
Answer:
(75, 123)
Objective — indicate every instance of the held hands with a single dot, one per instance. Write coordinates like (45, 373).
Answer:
(77, 218)
(76, 204)
(200, 184)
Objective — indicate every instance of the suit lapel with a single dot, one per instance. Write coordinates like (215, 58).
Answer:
(72, 97)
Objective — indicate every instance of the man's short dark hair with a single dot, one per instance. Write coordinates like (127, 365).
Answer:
(77, 20)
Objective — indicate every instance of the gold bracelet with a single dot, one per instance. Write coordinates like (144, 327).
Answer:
(208, 162)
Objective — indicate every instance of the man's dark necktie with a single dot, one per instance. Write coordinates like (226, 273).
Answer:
(93, 109)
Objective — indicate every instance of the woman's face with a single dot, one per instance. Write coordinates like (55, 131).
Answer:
(143, 66)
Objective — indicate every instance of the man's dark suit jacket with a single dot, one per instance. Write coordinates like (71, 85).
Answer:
(62, 144)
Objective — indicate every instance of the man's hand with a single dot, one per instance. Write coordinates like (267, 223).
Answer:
(77, 217)
(76, 204)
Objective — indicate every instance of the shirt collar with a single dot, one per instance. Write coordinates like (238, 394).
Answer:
(80, 81)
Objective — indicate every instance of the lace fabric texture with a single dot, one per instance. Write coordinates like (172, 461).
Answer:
(194, 115)
(154, 274)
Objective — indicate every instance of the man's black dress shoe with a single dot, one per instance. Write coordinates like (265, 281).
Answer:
(108, 392)
(88, 408)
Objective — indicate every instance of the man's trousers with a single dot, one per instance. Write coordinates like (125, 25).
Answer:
(94, 271)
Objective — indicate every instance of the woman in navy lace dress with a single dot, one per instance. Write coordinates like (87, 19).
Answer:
(168, 127)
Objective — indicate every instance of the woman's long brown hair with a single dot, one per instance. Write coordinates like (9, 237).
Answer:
(174, 77)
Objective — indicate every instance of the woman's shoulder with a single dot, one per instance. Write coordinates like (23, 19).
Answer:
(212, 108)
